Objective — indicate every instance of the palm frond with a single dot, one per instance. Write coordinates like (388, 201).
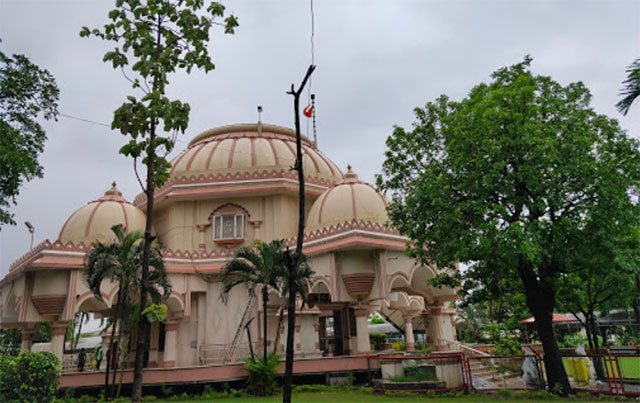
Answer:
(631, 91)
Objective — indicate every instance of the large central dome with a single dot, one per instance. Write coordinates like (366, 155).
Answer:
(242, 150)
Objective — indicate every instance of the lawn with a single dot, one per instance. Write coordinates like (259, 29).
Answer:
(362, 397)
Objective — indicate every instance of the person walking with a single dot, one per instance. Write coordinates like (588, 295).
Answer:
(98, 357)
(82, 357)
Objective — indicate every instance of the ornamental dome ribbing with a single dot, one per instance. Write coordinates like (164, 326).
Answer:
(244, 150)
(349, 200)
(93, 222)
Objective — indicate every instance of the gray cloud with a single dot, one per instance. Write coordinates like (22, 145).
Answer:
(377, 60)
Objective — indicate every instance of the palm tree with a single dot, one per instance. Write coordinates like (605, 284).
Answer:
(120, 262)
(302, 280)
(631, 91)
(264, 266)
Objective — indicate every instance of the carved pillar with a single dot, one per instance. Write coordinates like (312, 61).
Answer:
(408, 332)
(170, 341)
(362, 330)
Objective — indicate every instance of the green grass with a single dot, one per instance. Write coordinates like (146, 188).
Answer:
(629, 366)
(361, 397)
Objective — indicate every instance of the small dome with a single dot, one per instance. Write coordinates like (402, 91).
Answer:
(250, 148)
(349, 200)
(93, 222)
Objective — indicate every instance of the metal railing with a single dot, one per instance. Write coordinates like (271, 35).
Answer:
(216, 353)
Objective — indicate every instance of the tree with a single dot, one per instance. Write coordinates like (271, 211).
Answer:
(631, 91)
(505, 180)
(27, 92)
(296, 257)
(162, 36)
(119, 262)
(262, 266)
(601, 277)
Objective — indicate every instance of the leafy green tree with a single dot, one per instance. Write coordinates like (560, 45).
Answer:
(10, 341)
(119, 262)
(505, 181)
(27, 93)
(262, 266)
(601, 277)
(631, 90)
(29, 377)
(160, 37)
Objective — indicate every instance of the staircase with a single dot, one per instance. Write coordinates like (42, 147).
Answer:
(486, 375)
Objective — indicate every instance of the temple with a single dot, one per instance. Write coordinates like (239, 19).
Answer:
(232, 186)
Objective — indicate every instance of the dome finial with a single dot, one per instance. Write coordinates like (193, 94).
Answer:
(350, 174)
(113, 191)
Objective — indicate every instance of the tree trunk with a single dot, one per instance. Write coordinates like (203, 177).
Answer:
(541, 298)
(110, 352)
(265, 300)
(597, 361)
(142, 346)
(293, 264)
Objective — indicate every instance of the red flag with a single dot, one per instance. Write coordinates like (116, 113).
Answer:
(308, 111)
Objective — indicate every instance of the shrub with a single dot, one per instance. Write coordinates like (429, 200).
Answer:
(507, 346)
(399, 346)
(262, 375)
(29, 377)
(377, 340)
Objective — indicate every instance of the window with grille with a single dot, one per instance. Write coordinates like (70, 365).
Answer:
(228, 227)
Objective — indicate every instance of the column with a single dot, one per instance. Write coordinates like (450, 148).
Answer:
(57, 339)
(362, 330)
(202, 318)
(27, 339)
(435, 328)
(170, 341)
(408, 333)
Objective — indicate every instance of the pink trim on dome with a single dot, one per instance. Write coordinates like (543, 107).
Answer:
(194, 155)
(233, 148)
(326, 162)
(213, 150)
(384, 201)
(178, 159)
(66, 222)
(93, 212)
(126, 219)
(322, 204)
(353, 201)
(290, 148)
(253, 152)
(275, 154)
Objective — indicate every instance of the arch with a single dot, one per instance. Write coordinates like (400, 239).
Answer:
(398, 281)
(419, 275)
(87, 302)
(227, 208)
(321, 285)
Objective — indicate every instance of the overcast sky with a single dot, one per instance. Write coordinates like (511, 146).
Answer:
(377, 60)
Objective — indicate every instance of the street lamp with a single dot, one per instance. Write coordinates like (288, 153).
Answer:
(31, 229)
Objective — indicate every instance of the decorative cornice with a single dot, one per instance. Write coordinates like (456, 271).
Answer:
(229, 178)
